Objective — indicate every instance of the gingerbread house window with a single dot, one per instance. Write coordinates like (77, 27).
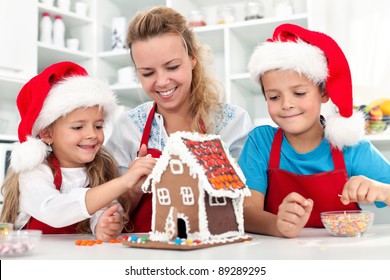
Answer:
(176, 166)
(163, 196)
(217, 201)
(187, 195)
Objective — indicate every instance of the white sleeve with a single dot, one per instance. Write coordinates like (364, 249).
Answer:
(236, 126)
(123, 141)
(40, 199)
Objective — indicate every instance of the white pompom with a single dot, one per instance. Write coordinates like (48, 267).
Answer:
(342, 132)
(27, 155)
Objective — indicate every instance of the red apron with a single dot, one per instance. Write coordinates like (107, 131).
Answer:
(46, 229)
(141, 217)
(323, 188)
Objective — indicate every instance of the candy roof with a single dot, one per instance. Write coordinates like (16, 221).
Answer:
(207, 158)
(211, 156)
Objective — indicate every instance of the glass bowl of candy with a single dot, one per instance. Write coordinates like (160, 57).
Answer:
(351, 223)
(19, 242)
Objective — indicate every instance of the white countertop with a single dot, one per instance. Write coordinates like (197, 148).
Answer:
(312, 244)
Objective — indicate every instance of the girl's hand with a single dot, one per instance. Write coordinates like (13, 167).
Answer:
(293, 214)
(138, 168)
(364, 190)
(110, 224)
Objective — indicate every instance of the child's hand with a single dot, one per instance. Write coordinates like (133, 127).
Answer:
(293, 214)
(110, 224)
(364, 190)
(139, 168)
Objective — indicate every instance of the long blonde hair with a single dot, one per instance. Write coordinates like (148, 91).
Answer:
(102, 169)
(206, 91)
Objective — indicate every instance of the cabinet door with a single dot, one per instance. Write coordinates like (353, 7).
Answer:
(18, 33)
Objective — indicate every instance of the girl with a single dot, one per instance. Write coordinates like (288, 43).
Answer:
(172, 69)
(61, 179)
(307, 165)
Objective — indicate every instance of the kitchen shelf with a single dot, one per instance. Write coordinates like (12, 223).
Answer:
(231, 45)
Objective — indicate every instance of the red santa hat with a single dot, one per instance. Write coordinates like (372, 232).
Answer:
(56, 91)
(321, 60)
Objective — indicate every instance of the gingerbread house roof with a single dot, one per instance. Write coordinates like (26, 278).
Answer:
(207, 158)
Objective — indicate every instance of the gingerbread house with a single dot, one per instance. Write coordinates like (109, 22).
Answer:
(198, 191)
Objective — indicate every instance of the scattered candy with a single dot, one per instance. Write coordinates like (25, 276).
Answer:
(91, 242)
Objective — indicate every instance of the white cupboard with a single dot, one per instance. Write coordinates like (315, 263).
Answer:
(232, 43)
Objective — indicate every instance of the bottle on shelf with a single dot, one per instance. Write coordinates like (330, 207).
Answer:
(59, 32)
(46, 28)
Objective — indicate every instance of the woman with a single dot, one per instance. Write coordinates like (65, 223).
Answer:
(170, 65)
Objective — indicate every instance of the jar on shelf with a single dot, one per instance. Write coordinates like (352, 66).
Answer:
(63, 4)
(283, 8)
(254, 10)
(196, 19)
(225, 14)
(118, 33)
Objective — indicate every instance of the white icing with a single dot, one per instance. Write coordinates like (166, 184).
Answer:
(176, 147)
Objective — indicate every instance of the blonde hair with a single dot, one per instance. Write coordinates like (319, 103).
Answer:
(102, 169)
(205, 95)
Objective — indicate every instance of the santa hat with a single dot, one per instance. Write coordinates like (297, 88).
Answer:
(56, 91)
(321, 60)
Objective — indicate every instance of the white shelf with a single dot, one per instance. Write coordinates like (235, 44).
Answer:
(231, 45)
(383, 137)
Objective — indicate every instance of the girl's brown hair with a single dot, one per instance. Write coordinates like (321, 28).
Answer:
(205, 96)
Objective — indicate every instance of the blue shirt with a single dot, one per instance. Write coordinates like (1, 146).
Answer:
(361, 159)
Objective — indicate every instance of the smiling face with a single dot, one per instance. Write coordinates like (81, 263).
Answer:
(294, 102)
(165, 71)
(77, 137)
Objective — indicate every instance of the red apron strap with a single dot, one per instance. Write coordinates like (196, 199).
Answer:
(148, 126)
(56, 169)
(274, 159)
(338, 158)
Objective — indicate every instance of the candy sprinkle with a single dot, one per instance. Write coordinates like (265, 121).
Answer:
(347, 223)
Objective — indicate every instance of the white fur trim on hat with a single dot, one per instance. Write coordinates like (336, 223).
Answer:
(299, 56)
(29, 154)
(342, 132)
(73, 93)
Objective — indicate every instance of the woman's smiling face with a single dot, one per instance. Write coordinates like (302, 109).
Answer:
(165, 70)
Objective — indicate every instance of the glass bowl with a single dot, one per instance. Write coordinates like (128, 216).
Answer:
(377, 125)
(19, 242)
(352, 223)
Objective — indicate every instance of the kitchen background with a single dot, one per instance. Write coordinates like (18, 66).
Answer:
(94, 30)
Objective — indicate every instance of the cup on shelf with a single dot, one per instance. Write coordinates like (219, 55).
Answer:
(63, 4)
(81, 9)
(73, 44)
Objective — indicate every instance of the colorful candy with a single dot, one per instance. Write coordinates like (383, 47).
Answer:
(347, 223)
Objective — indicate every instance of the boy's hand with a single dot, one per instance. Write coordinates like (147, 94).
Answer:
(110, 224)
(293, 214)
(364, 190)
